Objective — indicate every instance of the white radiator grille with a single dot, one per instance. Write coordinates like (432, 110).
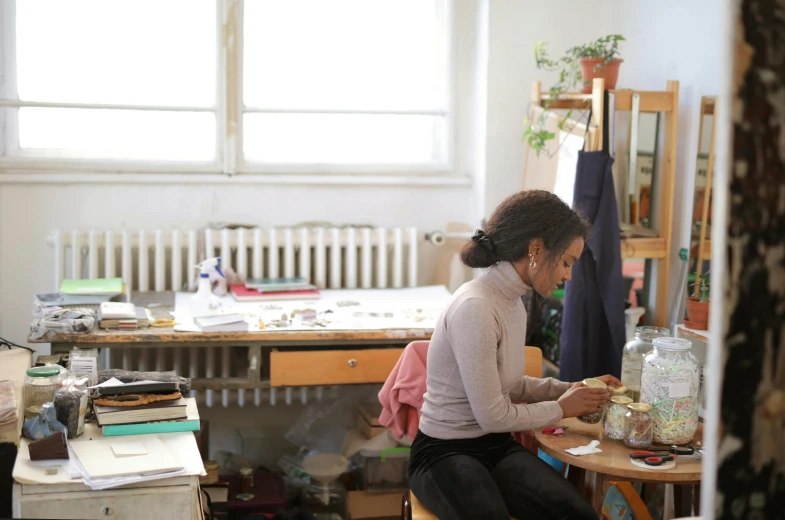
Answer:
(159, 260)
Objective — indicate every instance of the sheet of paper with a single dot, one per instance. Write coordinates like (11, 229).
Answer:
(129, 449)
(566, 166)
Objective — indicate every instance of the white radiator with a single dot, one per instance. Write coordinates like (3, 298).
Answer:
(159, 260)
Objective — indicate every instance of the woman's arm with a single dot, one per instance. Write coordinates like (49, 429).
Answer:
(535, 389)
(473, 330)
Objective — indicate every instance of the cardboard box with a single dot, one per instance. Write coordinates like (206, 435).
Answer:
(368, 421)
(374, 506)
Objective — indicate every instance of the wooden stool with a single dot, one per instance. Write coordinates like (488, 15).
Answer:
(414, 510)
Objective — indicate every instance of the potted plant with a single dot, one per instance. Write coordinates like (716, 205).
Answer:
(698, 304)
(578, 67)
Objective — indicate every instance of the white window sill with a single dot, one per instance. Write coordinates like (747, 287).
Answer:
(424, 180)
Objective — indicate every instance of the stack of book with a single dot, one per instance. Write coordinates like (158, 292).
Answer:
(123, 316)
(85, 293)
(265, 289)
(179, 415)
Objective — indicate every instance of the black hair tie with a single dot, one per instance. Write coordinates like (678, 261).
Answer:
(484, 241)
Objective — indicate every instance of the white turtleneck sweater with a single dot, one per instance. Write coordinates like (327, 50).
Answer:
(476, 361)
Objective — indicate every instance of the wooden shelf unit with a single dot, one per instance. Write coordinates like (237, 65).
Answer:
(666, 101)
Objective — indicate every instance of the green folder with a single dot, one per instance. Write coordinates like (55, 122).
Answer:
(151, 427)
(95, 286)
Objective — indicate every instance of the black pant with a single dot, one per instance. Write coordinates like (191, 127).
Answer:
(460, 487)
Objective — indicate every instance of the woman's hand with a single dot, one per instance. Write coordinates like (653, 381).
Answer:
(609, 380)
(581, 399)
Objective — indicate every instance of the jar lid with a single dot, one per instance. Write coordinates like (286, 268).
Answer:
(672, 343)
(648, 330)
(618, 390)
(47, 371)
(621, 399)
(246, 472)
(594, 383)
(639, 407)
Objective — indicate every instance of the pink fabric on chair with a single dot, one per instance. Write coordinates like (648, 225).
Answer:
(402, 393)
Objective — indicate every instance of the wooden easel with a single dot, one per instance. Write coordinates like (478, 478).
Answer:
(666, 101)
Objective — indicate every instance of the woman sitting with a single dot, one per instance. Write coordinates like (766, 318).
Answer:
(464, 462)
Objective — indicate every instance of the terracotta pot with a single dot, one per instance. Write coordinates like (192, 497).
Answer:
(597, 68)
(697, 311)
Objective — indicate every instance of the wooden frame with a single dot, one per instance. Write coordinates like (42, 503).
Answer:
(704, 244)
(229, 110)
(666, 101)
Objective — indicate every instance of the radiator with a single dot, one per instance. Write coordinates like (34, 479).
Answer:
(164, 260)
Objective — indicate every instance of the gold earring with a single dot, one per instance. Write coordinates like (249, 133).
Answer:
(532, 262)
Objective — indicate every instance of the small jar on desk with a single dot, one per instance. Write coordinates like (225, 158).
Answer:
(246, 480)
(615, 417)
(638, 426)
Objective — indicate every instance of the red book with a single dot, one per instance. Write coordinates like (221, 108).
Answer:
(243, 294)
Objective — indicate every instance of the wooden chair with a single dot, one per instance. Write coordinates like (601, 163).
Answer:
(411, 508)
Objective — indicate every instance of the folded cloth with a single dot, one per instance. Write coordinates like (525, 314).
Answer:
(585, 450)
(402, 394)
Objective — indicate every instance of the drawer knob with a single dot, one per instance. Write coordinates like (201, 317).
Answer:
(107, 511)
(352, 363)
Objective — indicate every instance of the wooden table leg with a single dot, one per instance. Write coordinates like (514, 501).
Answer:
(682, 500)
(593, 491)
(696, 499)
(576, 476)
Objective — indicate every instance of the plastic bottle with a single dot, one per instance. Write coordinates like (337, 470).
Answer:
(204, 302)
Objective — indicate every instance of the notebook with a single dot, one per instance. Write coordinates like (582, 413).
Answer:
(243, 294)
(95, 286)
(279, 284)
(189, 424)
(99, 460)
(157, 411)
(222, 323)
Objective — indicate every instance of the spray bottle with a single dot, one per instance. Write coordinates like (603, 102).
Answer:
(204, 302)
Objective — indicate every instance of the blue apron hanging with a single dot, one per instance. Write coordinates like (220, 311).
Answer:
(593, 324)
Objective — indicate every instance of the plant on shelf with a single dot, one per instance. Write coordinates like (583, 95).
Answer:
(579, 66)
(698, 304)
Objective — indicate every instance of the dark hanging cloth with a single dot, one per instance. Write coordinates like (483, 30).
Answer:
(593, 326)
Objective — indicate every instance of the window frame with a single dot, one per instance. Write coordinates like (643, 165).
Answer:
(229, 110)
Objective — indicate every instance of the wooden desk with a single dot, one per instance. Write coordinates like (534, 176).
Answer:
(332, 356)
(613, 464)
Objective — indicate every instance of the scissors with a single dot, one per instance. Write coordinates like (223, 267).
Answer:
(685, 451)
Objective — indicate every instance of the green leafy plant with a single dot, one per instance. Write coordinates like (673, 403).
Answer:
(704, 287)
(570, 77)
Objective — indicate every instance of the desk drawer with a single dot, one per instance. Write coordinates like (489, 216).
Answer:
(171, 503)
(332, 367)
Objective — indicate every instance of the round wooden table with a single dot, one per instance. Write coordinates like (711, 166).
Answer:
(590, 472)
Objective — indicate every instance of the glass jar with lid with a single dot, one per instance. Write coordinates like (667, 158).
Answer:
(41, 385)
(615, 417)
(593, 418)
(632, 357)
(670, 383)
(638, 426)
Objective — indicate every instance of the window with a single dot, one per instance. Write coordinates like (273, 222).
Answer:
(230, 86)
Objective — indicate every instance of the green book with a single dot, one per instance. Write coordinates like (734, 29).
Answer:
(95, 286)
(152, 427)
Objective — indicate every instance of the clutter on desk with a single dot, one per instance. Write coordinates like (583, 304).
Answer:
(9, 417)
(243, 294)
(123, 316)
(44, 424)
(95, 286)
(131, 376)
(41, 384)
(70, 402)
(222, 323)
(51, 447)
(85, 301)
(84, 363)
(52, 321)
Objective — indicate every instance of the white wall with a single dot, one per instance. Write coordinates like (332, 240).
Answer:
(665, 40)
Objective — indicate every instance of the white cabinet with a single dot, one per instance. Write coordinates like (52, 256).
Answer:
(172, 499)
